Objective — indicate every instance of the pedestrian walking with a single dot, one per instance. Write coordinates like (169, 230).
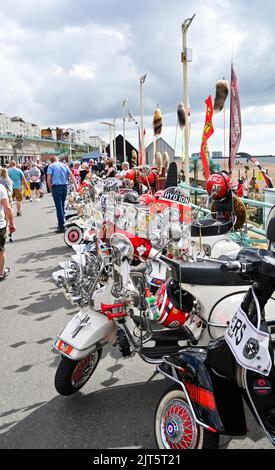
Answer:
(18, 179)
(42, 183)
(100, 166)
(46, 172)
(26, 171)
(84, 171)
(7, 182)
(57, 179)
(76, 171)
(35, 180)
(110, 169)
(6, 219)
(92, 166)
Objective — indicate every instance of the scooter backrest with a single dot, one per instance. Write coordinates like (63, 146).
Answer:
(270, 233)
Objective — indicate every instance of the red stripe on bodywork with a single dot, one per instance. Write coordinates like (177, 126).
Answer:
(201, 396)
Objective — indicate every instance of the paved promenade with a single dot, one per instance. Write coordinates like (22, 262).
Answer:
(115, 409)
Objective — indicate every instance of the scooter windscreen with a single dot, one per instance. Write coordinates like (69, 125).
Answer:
(171, 223)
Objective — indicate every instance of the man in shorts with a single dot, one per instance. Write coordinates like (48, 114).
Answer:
(6, 218)
(18, 178)
(35, 179)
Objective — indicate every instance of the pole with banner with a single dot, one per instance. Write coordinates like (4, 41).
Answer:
(157, 126)
(235, 120)
(207, 132)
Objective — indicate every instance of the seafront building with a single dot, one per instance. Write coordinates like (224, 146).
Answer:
(23, 141)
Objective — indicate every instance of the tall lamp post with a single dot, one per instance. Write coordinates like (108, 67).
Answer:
(110, 137)
(142, 80)
(114, 129)
(124, 139)
(186, 57)
(17, 145)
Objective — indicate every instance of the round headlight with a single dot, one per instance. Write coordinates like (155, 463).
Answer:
(176, 232)
(122, 243)
(155, 239)
(172, 214)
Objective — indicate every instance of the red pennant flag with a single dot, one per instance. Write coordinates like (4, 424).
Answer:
(263, 171)
(266, 177)
(235, 120)
(207, 132)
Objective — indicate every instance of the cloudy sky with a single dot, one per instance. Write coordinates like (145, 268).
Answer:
(71, 63)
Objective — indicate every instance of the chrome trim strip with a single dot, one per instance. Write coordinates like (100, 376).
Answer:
(216, 325)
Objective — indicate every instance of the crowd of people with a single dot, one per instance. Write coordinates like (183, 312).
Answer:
(31, 180)
(23, 181)
(104, 168)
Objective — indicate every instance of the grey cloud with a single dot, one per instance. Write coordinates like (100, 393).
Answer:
(152, 44)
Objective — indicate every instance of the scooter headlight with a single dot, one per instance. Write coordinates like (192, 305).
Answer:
(176, 232)
(122, 243)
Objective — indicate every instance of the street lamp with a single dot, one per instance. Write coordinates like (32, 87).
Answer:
(142, 81)
(17, 145)
(110, 136)
(124, 140)
(131, 118)
(186, 57)
(114, 129)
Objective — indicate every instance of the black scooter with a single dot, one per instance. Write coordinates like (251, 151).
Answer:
(210, 384)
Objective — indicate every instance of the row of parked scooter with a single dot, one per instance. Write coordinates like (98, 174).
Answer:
(152, 281)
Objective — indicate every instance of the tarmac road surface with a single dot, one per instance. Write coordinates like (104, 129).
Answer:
(115, 409)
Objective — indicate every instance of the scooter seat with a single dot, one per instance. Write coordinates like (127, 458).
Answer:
(206, 273)
(211, 227)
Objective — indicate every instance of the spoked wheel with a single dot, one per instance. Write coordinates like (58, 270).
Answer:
(71, 376)
(73, 236)
(175, 426)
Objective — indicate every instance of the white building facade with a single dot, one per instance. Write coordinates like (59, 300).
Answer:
(17, 126)
(5, 124)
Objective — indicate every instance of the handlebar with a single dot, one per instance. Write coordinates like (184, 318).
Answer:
(237, 266)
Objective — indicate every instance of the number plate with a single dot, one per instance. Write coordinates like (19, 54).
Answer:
(248, 344)
(64, 347)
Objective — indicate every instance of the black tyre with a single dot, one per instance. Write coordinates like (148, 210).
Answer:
(73, 235)
(71, 376)
(175, 426)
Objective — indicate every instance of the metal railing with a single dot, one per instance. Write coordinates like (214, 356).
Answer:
(248, 202)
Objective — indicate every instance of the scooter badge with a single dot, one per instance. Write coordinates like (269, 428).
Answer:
(251, 349)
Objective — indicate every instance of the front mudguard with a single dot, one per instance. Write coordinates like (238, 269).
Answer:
(87, 331)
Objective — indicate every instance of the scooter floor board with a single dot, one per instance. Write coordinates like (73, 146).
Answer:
(157, 352)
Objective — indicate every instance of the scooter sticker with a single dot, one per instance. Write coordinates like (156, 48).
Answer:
(262, 387)
(249, 345)
(64, 347)
(251, 349)
(176, 194)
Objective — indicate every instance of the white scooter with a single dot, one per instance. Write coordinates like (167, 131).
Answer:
(205, 299)
(199, 314)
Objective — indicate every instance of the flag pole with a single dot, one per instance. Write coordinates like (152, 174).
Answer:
(143, 155)
(185, 57)
(224, 130)
(230, 114)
